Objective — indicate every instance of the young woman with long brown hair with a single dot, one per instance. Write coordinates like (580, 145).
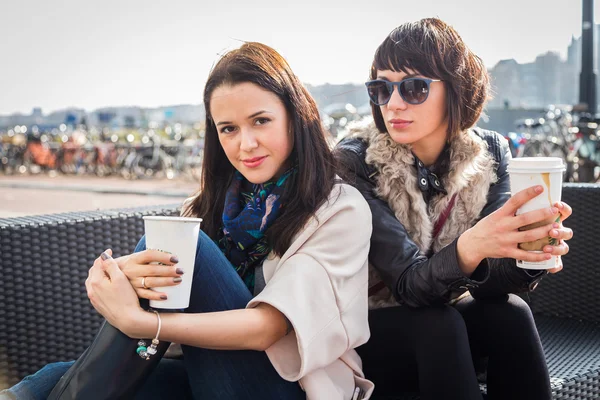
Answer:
(279, 294)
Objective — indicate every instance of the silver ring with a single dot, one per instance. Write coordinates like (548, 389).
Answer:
(144, 283)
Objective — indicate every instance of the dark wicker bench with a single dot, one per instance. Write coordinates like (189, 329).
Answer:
(45, 315)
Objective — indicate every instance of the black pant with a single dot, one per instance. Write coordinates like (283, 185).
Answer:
(434, 350)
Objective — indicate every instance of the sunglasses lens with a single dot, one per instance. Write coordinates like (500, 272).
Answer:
(378, 93)
(414, 91)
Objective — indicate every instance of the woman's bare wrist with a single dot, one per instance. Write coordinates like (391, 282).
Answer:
(142, 325)
(467, 253)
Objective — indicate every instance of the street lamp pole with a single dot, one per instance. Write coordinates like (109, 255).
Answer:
(587, 78)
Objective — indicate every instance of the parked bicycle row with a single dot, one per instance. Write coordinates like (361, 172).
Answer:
(558, 133)
(150, 158)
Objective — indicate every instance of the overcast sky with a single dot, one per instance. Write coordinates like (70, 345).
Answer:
(95, 53)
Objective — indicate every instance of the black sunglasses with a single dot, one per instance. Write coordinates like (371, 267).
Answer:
(412, 90)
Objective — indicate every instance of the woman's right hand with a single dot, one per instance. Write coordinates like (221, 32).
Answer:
(498, 235)
(139, 270)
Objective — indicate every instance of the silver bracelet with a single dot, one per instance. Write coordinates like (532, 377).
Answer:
(144, 351)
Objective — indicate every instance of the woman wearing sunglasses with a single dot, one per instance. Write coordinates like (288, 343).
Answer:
(445, 235)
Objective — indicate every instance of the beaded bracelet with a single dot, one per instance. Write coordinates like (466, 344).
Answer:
(144, 351)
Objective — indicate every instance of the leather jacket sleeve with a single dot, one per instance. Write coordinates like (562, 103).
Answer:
(505, 277)
(414, 279)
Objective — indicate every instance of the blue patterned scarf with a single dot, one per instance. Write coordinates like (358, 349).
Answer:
(246, 217)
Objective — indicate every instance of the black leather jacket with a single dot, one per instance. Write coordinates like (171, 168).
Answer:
(417, 280)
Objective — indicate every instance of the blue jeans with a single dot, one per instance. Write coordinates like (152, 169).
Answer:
(203, 374)
(167, 381)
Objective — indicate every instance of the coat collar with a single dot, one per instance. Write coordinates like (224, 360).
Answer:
(471, 172)
(430, 180)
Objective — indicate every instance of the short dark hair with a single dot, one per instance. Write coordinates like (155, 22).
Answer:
(309, 187)
(434, 49)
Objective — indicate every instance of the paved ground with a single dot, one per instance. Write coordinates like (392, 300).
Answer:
(42, 194)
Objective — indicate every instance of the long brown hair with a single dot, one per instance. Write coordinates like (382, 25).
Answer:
(434, 49)
(309, 187)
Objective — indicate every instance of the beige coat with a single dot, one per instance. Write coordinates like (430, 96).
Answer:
(320, 284)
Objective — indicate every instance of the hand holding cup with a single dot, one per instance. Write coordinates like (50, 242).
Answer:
(498, 235)
(151, 269)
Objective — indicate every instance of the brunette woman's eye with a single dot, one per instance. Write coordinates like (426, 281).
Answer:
(261, 121)
(227, 129)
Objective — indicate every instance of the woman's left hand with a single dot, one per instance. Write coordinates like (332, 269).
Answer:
(560, 233)
(111, 294)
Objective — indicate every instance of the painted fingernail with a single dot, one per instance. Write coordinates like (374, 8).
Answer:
(179, 271)
(105, 256)
(163, 297)
(177, 280)
(174, 259)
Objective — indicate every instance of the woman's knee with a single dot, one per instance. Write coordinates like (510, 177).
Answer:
(439, 324)
(421, 324)
(508, 308)
(439, 317)
(440, 332)
(508, 319)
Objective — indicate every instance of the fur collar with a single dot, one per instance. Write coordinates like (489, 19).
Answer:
(471, 172)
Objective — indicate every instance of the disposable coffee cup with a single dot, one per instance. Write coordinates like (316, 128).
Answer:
(178, 236)
(531, 171)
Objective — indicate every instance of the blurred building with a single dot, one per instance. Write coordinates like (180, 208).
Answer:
(108, 117)
(547, 80)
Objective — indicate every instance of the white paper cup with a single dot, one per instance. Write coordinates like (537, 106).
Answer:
(547, 172)
(179, 236)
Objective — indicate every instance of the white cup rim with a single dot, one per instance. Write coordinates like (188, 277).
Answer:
(172, 219)
(530, 170)
(536, 164)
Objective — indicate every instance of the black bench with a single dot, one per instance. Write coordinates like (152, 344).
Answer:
(45, 315)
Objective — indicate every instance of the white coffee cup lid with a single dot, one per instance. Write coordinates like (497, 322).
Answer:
(536, 164)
